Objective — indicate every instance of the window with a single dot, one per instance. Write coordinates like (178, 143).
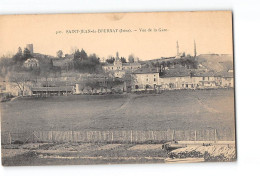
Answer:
(136, 86)
(154, 79)
(147, 80)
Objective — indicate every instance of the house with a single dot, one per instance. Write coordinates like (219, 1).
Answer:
(226, 79)
(31, 63)
(145, 79)
(177, 79)
(206, 80)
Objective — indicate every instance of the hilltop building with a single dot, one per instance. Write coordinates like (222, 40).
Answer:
(30, 48)
(31, 63)
(119, 69)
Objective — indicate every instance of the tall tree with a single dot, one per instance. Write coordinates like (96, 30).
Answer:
(110, 60)
(83, 55)
(131, 58)
(77, 55)
(123, 60)
(20, 79)
(26, 54)
(18, 57)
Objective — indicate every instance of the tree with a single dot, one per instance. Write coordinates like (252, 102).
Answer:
(18, 57)
(123, 60)
(110, 60)
(59, 54)
(77, 55)
(83, 55)
(26, 54)
(131, 58)
(20, 79)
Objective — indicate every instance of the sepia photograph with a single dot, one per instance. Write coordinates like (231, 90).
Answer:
(117, 88)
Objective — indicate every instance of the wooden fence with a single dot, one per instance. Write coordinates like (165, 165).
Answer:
(118, 136)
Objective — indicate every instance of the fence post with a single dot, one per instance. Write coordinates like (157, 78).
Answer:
(10, 138)
(72, 136)
(112, 137)
(131, 136)
(173, 135)
(215, 135)
(195, 135)
(100, 136)
(33, 136)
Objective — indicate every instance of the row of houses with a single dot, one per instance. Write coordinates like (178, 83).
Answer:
(144, 79)
(152, 79)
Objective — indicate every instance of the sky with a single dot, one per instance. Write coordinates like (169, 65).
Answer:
(212, 31)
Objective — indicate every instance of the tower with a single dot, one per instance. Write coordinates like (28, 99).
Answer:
(177, 47)
(117, 60)
(30, 48)
(195, 50)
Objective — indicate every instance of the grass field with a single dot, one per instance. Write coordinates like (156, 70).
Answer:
(182, 109)
(179, 110)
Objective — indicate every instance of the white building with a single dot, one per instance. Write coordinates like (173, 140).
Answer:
(31, 63)
(145, 79)
(119, 69)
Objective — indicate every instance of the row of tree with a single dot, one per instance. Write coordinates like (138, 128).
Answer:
(84, 62)
(22, 56)
(131, 59)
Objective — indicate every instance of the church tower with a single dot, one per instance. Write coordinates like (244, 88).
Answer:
(117, 61)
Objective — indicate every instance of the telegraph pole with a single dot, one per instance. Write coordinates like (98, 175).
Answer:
(195, 50)
(177, 47)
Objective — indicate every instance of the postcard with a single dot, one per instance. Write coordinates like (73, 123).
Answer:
(117, 88)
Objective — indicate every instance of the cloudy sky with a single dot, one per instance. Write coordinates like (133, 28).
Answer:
(212, 32)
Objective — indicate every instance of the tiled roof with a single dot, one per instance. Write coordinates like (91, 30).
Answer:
(130, 64)
(146, 70)
(179, 72)
(61, 88)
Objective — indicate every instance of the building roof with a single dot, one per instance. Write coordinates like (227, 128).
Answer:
(124, 64)
(182, 72)
(225, 74)
(131, 64)
(146, 70)
(177, 72)
(53, 89)
(31, 60)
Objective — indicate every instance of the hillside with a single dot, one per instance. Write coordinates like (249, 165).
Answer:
(216, 62)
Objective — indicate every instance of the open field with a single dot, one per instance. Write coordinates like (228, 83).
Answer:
(182, 109)
(152, 114)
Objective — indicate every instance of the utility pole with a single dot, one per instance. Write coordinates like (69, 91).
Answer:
(67, 79)
(177, 47)
(195, 50)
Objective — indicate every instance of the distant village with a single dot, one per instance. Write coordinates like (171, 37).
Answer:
(41, 75)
